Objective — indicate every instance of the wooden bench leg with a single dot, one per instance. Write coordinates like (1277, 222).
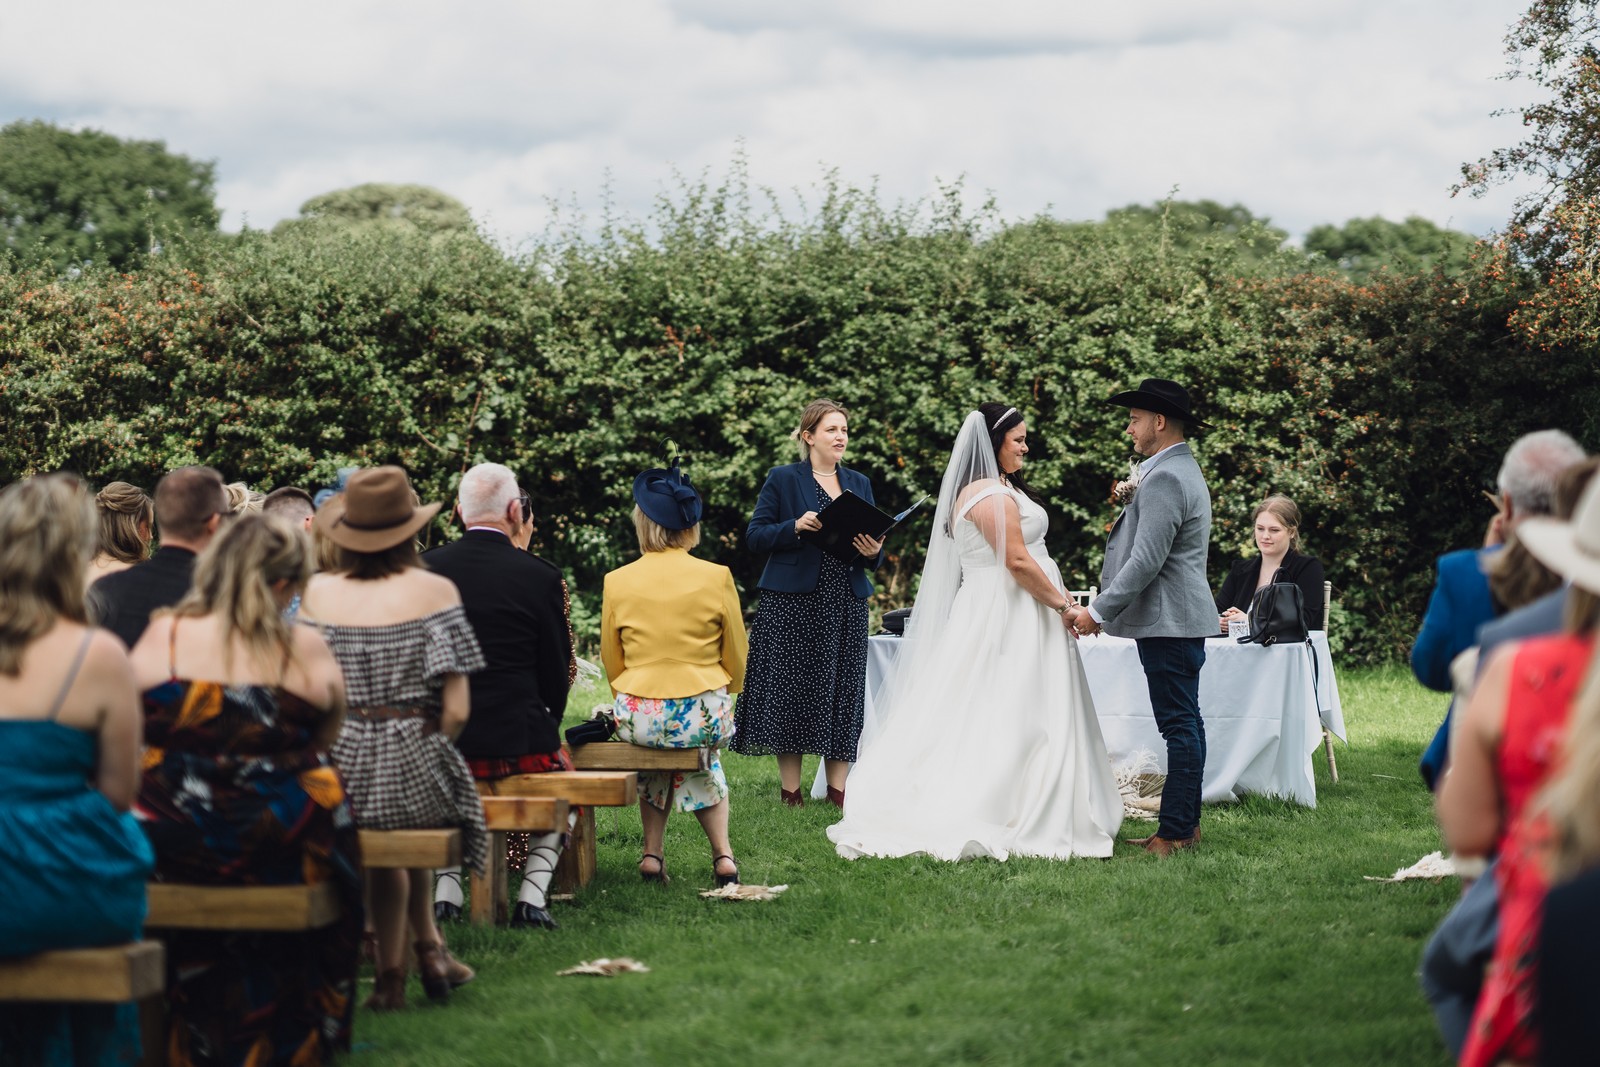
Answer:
(489, 892)
(576, 867)
(153, 1031)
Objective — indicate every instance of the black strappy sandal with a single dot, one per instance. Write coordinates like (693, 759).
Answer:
(657, 875)
(724, 879)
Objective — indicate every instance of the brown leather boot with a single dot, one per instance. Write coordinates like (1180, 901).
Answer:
(390, 992)
(435, 973)
(458, 973)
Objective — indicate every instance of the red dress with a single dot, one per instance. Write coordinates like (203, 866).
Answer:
(1545, 674)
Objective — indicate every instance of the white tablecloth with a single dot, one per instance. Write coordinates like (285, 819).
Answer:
(1264, 709)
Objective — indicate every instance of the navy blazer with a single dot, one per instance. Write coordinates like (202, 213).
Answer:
(793, 565)
(1461, 603)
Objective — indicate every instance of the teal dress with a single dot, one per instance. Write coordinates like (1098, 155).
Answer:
(73, 876)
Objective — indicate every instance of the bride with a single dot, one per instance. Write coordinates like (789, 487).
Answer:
(985, 743)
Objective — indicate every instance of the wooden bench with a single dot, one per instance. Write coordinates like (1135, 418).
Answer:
(270, 908)
(429, 849)
(591, 789)
(110, 975)
(530, 815)
(621, 756)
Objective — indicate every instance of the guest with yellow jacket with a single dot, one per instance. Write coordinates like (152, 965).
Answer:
(673, 643)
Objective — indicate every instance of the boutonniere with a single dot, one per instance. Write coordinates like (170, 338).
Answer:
(1122, 490)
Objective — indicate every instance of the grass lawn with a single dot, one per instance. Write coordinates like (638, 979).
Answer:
(1265, 946)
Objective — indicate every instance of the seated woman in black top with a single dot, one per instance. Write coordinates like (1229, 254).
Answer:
(1277, 523)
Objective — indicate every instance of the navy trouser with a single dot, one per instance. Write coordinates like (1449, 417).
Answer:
(1172, 672)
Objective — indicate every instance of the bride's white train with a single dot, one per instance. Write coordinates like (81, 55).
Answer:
(986, 741)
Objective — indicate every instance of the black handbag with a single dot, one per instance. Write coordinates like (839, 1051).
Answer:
(590, 731)
(894, 622)
(1277, 613)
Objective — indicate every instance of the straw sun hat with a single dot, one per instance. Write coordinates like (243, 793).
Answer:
(1571, 549)
(375, 513)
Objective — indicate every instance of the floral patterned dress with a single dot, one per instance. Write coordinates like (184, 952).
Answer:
(234, 793)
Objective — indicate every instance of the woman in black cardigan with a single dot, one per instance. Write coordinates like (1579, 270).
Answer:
(1277, 522)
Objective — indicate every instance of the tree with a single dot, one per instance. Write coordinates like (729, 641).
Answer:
(1556, 46)
(72, 198)
(410, 207)
(1361, 247)
(1186, 224)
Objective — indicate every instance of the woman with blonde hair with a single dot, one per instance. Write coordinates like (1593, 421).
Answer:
(673, 643)
(1277, 534)
(806, 688)
(242, 499)
(75, 862)
(406, 646)
(127, 517)
(241, 709)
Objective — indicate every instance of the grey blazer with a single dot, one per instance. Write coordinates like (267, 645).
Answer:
(1153, 582)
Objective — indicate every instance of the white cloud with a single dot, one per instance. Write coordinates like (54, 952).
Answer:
(1306, 113)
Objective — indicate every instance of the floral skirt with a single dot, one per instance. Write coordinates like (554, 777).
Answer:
(701, 721)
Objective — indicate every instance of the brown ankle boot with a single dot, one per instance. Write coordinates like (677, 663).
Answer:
(435, 973)
(390, 991)
(458, 973)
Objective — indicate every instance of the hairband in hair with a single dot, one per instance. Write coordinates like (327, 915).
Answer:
(1008, 413)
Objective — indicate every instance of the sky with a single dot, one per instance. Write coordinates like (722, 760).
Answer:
(1304, 113)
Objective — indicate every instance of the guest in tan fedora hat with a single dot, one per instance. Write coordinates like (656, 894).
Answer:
(1512, 730)
(406, 647)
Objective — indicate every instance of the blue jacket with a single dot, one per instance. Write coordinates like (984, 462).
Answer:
(1460, 604)
(793, 565)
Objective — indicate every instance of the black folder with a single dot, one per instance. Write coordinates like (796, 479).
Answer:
(848, 515)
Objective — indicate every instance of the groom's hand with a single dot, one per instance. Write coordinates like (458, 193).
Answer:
(1084, 625)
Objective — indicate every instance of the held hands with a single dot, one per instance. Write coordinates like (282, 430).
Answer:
(1228, 616)
(808, 523)
(1084, 625)
(867, 546)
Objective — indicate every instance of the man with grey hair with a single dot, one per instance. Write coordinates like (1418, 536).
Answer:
(517, 605)
(1461, 600)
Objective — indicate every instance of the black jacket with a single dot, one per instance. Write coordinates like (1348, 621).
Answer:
(516, 603)
(122, 602)
(1304, 571)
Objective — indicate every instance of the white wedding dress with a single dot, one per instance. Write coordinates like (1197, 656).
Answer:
(990, 746)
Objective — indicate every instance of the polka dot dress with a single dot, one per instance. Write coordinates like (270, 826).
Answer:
(807, 675)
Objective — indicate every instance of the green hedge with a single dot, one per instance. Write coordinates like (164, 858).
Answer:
(1381, 408)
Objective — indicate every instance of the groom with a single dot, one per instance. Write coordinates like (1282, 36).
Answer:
(1153, 589)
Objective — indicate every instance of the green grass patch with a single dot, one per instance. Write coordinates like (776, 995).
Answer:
(1266, 946)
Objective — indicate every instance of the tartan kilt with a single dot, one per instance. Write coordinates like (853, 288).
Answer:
(403, 774)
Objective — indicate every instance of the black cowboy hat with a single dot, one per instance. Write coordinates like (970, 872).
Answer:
(1160, 396)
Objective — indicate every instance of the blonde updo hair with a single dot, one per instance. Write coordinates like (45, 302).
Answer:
(1284, 510)
(233, 580)
(242, 499)
(124, 508)
(48, 533)
(654, 537)
(814, 413)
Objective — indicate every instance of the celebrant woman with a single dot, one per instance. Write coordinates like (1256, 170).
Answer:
(806, 683)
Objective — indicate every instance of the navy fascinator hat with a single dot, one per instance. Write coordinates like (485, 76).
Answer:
(667, 498)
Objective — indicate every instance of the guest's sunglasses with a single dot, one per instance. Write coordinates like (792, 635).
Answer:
(527, 506)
